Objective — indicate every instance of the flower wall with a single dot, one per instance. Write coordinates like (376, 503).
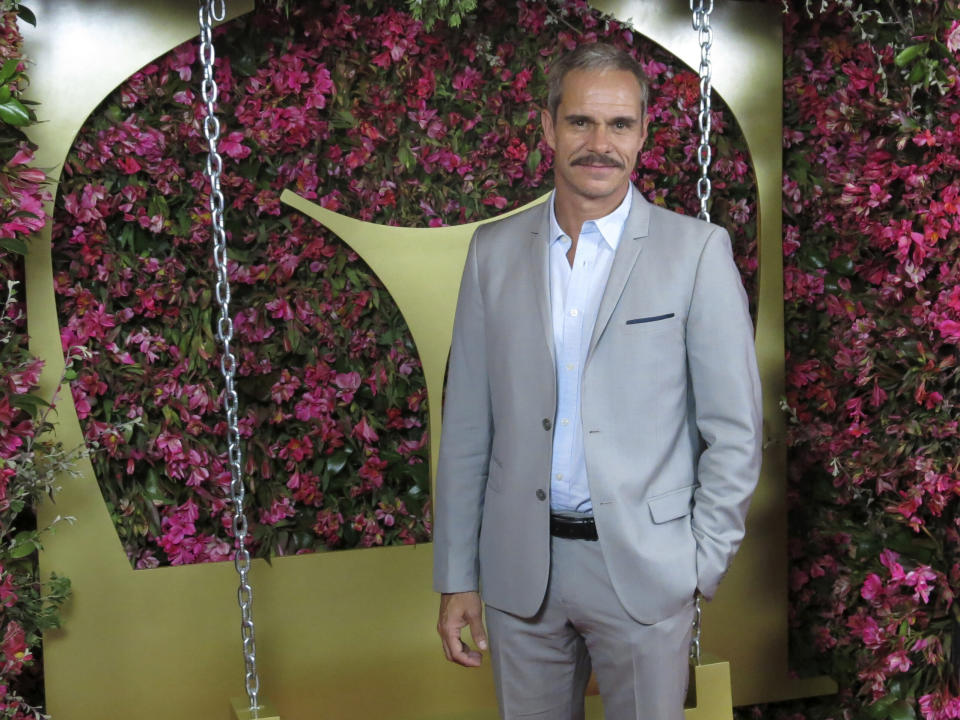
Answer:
(30, 462)
(362, 110)
(872, 291)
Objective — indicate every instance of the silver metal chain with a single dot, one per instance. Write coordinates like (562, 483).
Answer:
(695, 637)
(215, 11)
(701, 23)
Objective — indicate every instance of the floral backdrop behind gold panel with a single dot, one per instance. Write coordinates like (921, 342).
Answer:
(365, 112)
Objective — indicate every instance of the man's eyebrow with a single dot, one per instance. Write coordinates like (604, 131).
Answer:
(628, 120)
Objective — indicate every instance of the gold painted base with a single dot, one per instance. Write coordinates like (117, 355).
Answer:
(710, 693)
(242, 711)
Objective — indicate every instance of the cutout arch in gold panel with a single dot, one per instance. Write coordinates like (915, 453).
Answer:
(145, 644)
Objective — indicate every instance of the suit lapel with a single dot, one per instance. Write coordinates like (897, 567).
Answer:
(540, 271)
(628, 250)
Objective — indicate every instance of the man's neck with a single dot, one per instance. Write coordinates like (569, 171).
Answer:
(573, 211)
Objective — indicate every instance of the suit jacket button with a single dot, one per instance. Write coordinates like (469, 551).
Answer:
(541, 495)
(546, 426)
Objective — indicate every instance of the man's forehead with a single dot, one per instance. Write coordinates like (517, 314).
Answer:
(606, 76)
(612, 90)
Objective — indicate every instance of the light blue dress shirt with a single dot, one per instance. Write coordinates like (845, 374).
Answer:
(575, 294)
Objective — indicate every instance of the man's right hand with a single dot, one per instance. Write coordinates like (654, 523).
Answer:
(457, 610)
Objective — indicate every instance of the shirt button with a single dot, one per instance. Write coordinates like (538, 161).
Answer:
(547, 424)
(564, 422)
(570, 366)
(541, 495)
(573, 313)
(559, 476)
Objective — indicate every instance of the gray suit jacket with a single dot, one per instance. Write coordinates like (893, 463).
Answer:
(670, 404)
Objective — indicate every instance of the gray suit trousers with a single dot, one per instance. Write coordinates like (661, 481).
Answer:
(542, 664)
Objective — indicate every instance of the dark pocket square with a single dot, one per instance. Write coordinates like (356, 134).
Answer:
(652, 318)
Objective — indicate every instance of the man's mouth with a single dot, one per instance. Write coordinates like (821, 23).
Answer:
(597, 161)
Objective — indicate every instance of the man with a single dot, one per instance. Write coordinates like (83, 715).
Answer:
(601, 434)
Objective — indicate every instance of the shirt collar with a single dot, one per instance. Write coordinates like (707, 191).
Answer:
(610, 226)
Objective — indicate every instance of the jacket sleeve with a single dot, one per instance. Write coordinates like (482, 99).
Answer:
(726, 387)
(465, 442)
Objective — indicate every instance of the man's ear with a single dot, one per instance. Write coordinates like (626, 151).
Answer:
(549, 131)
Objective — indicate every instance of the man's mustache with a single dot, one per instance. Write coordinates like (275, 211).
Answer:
(593, 159)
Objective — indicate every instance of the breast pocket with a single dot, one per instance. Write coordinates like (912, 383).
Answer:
(651, 324)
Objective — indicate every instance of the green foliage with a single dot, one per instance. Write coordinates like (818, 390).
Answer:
(452, 12)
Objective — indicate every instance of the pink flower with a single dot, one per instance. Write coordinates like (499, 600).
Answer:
(321, 88)
(949, 329)
(279, 510)
(888, 558)
(953, 37)
(14, 649)
(363, 431)
(129, 165)
(232, 146)
(467, 80)
(867, 629)
(872, 589)
(898, 661)
(297, 449)
(8, 594)
(920, 580)
(183, 58)
(348, 383)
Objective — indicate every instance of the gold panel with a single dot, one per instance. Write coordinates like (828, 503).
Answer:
(350, 633)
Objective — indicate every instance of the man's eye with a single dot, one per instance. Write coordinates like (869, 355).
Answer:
(620, 125)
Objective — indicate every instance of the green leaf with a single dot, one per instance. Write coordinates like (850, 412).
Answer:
(13, 112)
(917, 74)
(909, 54)
(901, 710)
(533, 159)
(8, 70)
(24, 544)
(29, 403)
(26, 14)
(14, 245)
(880, 707)
(344, 119)
(406, 157)
(843, 265)
(336, 462)
(21, 551)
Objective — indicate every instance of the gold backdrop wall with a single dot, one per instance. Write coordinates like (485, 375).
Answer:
(165, 642)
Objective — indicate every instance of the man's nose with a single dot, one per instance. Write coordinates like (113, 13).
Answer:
(600, 137)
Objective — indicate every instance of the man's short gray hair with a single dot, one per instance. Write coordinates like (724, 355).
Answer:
(594, 56)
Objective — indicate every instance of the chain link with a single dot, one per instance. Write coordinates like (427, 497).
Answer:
(695, 637)
(701, 10)
(215, 11)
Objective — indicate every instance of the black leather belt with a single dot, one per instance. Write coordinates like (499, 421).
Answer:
(573, 528)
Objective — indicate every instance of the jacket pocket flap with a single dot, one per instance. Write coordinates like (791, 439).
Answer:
(671, 505)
